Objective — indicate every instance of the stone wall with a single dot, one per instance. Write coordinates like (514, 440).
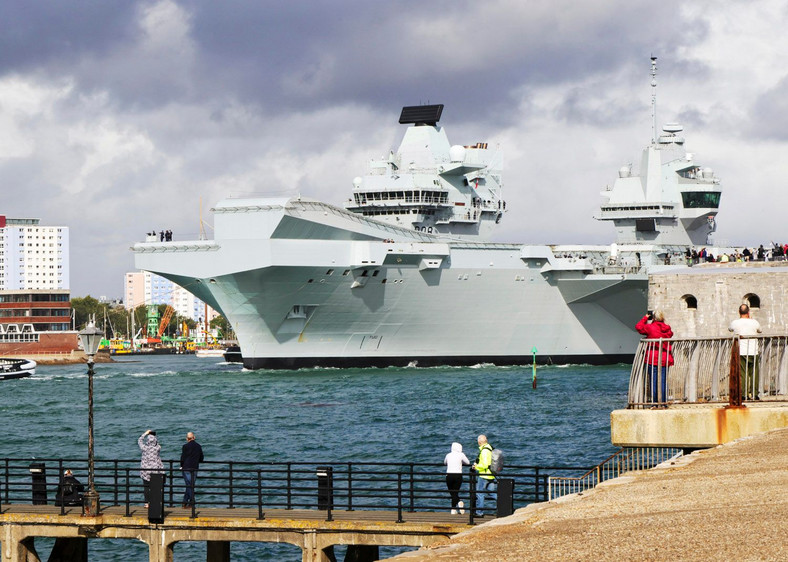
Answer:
(701, 301)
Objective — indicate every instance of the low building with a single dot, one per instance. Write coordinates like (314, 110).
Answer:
(36, 322)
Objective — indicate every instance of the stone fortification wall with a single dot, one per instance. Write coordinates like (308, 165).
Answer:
(701, 301)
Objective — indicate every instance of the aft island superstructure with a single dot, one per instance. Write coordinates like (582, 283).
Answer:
(404, 274)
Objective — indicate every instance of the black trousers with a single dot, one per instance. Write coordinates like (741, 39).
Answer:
(453, 483)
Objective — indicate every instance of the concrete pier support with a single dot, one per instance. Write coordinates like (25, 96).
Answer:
(17, 547)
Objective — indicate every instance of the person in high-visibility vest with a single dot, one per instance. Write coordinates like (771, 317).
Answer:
(485, 481)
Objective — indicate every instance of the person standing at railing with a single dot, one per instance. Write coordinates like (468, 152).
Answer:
(191, 457)
(151, 460)
(454, 461)
(485, 481)
(658, 354)
(746, 327)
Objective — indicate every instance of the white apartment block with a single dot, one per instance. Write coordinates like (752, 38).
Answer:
(144, 287)
(32, 256)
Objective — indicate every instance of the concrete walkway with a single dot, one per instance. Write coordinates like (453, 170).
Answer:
(726, 503)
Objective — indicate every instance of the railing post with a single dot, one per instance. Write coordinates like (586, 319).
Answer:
(260, 514)
(411, 507)
(734, 380)
(399, 496)
(128, 494)
(289, 487)
(172, 483)
(231, 485)
(349, 486)
(60, 487)
(7, 482)
(115, 477)
(537, 495)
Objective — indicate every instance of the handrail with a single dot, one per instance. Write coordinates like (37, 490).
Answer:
(405, 487)
(624, 460)
(702, 369)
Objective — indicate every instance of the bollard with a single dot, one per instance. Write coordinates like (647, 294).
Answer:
(325, 487)
(505, 501)
(156, 498)
(38, 472)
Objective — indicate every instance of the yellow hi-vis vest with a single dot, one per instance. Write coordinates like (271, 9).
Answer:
(484, 461)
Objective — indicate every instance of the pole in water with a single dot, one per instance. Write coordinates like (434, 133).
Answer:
(533, 379)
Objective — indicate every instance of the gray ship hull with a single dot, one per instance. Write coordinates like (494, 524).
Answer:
(356, 300)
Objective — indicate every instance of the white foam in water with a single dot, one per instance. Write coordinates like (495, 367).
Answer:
(148, 374)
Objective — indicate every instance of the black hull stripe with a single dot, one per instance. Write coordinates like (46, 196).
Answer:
(429, 361)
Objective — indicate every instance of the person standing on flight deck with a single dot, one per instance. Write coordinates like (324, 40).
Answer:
(191, 457)
(485, 482)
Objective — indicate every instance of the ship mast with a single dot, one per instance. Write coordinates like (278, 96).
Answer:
(654, 98)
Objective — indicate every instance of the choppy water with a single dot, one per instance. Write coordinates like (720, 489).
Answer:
(396, 414)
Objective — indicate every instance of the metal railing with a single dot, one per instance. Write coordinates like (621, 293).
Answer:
(404, 487)
(625, 460)
(703, 367)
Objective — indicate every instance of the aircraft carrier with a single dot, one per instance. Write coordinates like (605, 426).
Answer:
(404, 273)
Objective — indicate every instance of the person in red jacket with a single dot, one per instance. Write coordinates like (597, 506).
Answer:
(658, 356)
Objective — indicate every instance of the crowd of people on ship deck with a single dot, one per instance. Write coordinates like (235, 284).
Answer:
(777, 252)
(164, 235)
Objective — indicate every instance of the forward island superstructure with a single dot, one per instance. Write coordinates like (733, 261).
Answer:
(404, 274)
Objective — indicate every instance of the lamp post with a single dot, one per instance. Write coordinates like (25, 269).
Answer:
(90, 338)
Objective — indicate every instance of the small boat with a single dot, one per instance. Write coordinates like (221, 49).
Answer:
(16, 368)
(233, 354)
(210, 352)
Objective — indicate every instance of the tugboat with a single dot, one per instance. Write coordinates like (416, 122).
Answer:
(16, 368)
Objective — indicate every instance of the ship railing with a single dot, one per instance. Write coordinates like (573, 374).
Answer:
(676, 371)
(627, 459)
(328, 486)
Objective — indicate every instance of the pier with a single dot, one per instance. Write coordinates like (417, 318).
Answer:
(314, 506)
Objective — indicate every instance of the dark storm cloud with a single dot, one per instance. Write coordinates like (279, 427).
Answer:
(40, 33)
(304, 56)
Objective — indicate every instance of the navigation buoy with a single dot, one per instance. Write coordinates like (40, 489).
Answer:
(533, 369)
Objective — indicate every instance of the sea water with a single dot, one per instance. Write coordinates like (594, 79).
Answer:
(381, 415)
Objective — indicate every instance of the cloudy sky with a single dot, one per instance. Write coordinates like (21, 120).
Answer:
(119, 117)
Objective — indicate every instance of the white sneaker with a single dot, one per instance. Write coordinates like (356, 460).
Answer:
(461, 505)
(454, 512)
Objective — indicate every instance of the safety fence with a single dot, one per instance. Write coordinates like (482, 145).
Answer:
(702, 368)
(404, 487)
(625, 460)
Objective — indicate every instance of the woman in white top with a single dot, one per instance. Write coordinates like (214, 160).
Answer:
(454, 462)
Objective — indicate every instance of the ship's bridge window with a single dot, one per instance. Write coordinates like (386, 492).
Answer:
(700, 199)
(690, 302)
(752, 300)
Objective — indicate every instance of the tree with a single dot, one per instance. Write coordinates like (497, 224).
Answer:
(84, 307)
(225, 329)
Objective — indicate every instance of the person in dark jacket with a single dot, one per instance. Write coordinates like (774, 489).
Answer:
(658, 354)
(191, 457)
(69, 491)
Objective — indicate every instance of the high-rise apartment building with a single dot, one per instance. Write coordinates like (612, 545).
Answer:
(35, 305)
(143, 287)
(32, 256)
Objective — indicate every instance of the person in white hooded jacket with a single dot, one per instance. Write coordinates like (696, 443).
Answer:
(454, 462)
